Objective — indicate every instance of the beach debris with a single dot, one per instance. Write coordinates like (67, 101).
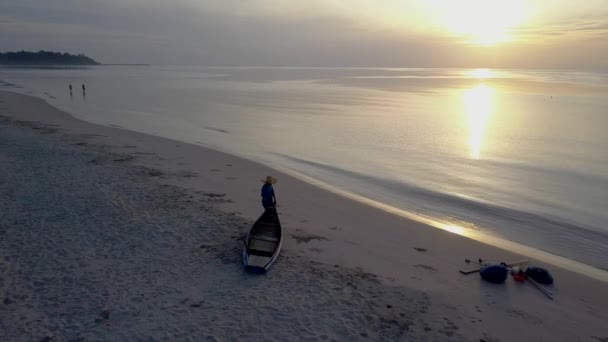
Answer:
(420, 249)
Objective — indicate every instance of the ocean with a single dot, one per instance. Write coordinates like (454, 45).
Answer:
(519, 155)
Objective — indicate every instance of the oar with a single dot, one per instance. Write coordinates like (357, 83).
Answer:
(482, 264)
(541, 288)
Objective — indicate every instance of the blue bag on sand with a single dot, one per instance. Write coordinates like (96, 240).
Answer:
(496, 274)
(539, 274)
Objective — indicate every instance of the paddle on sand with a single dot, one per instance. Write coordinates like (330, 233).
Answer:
(481, 263)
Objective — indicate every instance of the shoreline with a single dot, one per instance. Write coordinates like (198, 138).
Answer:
(488, 196)
(333, 230)
(544, 256)
(519, 248)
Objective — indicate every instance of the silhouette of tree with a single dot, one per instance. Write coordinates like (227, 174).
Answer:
(44, 58)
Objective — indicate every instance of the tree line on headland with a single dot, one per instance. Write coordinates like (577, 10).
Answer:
(44, 58)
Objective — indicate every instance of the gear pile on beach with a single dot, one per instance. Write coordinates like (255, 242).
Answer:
(498, 274)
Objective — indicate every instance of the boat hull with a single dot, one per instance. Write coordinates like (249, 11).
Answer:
(263, 243)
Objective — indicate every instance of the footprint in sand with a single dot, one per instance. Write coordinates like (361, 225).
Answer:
(426, 267)
(186, 174)
(307, 238)
(124, 158)
(217, 198)
(525, 316)
(449, 328)
(151, 172)
(214, 195)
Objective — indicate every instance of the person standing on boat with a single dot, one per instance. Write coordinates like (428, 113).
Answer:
(268, 199)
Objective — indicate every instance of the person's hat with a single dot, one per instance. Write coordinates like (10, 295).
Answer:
(269, 180)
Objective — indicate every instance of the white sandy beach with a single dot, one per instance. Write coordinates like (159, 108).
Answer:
(108, 234)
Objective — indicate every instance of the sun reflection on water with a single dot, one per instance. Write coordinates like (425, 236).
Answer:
(478, 102)
(481, 73)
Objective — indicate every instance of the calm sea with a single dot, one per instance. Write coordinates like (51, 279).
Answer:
(519, 155)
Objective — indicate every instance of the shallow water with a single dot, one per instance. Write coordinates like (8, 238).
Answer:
(519, 155)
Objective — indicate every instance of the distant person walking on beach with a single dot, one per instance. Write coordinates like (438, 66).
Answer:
(269, 201)
(84, 90)
(70, 89)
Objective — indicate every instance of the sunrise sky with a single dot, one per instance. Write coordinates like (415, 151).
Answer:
(369, 33)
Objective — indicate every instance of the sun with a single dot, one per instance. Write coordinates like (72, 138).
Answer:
(482, 22)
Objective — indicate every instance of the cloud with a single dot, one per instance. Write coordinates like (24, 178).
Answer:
(587, 28)
(269, 32)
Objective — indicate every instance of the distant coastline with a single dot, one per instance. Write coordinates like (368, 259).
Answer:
(45, 58)
(125, 64)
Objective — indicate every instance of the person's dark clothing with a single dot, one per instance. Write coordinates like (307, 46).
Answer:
(268, 199)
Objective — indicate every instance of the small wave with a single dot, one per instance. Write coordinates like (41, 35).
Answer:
(217, 129)
(7, 84)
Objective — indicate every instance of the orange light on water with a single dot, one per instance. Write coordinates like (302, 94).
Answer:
(478, 102)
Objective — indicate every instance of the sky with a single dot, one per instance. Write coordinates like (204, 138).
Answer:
(545, 34)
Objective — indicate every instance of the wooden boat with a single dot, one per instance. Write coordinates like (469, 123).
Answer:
(263, 243)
